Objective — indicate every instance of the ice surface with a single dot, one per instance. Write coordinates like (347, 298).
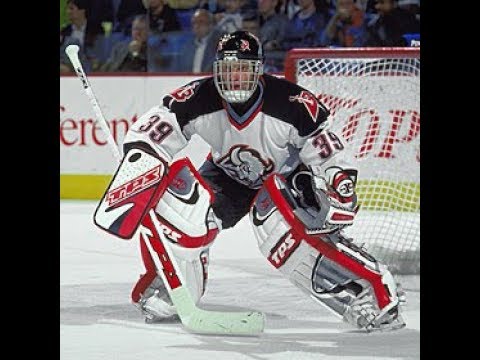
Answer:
(97, 320)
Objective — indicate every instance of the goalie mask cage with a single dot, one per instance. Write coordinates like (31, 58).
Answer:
(374, 99)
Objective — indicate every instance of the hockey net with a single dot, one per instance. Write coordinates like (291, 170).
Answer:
(374, 98)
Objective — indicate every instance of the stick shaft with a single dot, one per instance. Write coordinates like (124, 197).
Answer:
(72, 52)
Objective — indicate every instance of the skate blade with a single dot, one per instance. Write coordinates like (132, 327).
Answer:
(163, 320)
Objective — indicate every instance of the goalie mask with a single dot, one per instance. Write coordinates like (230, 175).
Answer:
(238, 66)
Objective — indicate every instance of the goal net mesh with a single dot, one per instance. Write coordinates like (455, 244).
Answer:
(374, 100)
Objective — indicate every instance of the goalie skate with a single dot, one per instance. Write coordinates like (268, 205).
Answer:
(155, 304)
(363, 314)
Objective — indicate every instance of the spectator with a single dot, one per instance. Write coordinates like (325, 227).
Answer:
(305, 27)
(63, 13)
(100, 11)
(412, 6)
(361, 4)
(274, 60)
(391, 24)
(325, 6)
(273, 26)
(230, 20)
(368, 6)
(213, 6)
(346, 27)
(198, 54)
(130, 56)
(251, 22)
(162, 18)
(182, 4)
(126, 12)
(81, 32)
(249, 6)
(287, 7)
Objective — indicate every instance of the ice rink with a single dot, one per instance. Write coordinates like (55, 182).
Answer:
(98, 322)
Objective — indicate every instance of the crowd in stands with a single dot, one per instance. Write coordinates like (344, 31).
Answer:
(181, 35)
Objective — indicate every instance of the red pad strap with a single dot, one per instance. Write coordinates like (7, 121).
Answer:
(177, 236)
(157, 245)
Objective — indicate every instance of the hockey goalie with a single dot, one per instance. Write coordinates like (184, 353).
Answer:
(272, 158)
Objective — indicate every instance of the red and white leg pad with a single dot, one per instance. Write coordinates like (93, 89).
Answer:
(330, 268)
(187, 221)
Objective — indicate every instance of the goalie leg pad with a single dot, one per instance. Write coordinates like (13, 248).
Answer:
(329, 267)
(135, 187)
(185, 217)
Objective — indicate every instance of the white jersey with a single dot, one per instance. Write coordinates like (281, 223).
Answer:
(281, 126)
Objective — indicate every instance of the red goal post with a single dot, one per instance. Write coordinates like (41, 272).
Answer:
(374, 98)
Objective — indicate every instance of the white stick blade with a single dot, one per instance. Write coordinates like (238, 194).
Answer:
(215, 322)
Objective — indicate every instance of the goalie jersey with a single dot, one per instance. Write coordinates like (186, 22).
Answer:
(275, 130)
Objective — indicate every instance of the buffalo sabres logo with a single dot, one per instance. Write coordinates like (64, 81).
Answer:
(309, 101)
(244, 45)
(246, 165)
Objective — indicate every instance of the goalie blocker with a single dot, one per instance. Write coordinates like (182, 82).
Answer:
(328, 267)
(131, 193)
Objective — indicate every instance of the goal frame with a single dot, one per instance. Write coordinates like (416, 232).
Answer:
(330, 53)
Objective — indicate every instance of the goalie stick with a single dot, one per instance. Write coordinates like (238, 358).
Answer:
(192, 317)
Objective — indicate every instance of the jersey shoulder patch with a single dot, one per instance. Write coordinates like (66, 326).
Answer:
(293, 104)
(194, 99)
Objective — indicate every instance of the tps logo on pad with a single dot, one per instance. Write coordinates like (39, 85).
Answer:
(134, 186)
